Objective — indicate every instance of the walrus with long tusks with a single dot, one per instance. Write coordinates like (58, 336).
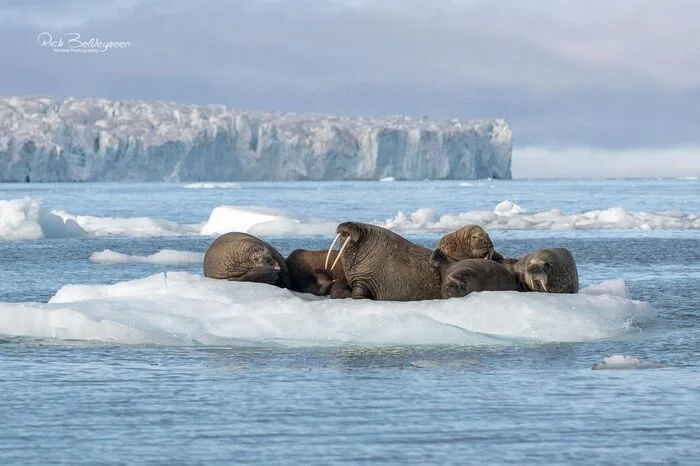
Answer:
(459, 278)
(551, 270)
(244, 258)
(308, 273)
(468, 242)
(381, 265)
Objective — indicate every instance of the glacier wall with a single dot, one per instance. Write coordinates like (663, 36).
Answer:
(56, 139)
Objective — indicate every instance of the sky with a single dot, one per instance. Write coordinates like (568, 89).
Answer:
(594, 87)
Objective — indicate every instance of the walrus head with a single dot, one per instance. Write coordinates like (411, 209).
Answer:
(469, 242)
(349, 233)
(535, 276)
(257, 265)
(239, 256)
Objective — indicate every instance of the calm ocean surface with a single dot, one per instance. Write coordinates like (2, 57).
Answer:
(137, 366)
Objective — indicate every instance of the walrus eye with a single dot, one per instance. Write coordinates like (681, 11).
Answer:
(351, 230)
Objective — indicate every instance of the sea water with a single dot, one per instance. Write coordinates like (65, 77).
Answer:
(115, 350)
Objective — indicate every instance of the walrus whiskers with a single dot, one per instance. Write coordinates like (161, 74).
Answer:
(328, 256)
(342, 248)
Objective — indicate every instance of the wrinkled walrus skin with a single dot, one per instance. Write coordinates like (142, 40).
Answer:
(242, 257)
(307, 274)
(381, 265)
(550, 270)
(459, 278)
(468, 242)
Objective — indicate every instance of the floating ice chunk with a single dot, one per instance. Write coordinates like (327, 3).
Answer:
(263, 221)
(509, 208)
(508, 215)
(289, 226)
(621, 361)
(25, 219)
(225, 185)
(163, 257)
(231, 218)
(387, 178)
(183, 308)
(131, 226)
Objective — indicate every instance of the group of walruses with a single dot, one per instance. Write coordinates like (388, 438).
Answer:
(376, 263)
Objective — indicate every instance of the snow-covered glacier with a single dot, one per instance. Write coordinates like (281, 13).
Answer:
(69, 139)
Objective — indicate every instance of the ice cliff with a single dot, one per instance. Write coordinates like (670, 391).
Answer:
(52, 139)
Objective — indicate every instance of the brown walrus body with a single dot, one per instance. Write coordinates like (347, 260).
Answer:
(381, 265)
(242, 257)
(308, 274)
(468, 242)
(459, 278)
(551, 270)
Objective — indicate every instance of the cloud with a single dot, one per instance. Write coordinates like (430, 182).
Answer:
(63, 14)
(582, 72)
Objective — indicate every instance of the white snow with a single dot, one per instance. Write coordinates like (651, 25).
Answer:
(223, 185)
(622, 361)
(162, 257)
(26, 219)
(56, 139)
(180, 308)
(130, 226)
(263, 221)
(508, 215)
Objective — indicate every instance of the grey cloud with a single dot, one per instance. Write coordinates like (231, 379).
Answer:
(614, 73)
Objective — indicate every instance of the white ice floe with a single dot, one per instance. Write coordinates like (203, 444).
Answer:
(180, 308)
(129, 226)
(162, 257)
(263, 221)
(621, 361)
(387, 179)
(223, 185)
(23, 219)
(508, 215)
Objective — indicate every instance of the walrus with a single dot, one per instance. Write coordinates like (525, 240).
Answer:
(459, 278)
(244, 258)
(381, 265)
(468, 242)
(308, 273)
(551, 270)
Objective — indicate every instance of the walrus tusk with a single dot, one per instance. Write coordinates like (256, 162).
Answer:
(340, 253)
(537, 280)
(328, 255)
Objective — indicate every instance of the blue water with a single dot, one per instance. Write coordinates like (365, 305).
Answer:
(95, 402)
